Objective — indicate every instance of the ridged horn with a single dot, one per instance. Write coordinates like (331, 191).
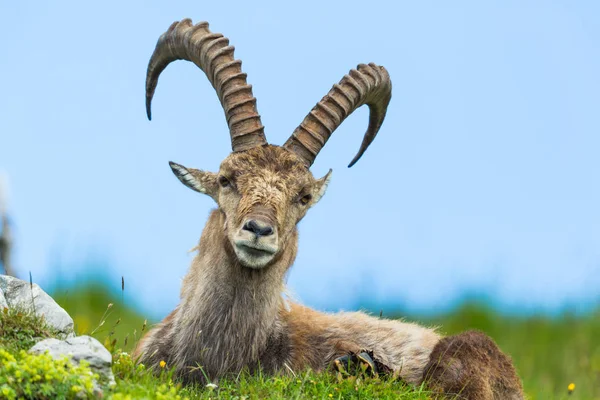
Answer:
(367, 84)
(213, 55)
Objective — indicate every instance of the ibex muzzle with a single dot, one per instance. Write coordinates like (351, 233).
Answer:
(256, 242)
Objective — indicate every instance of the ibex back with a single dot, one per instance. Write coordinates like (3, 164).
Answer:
(232, 314)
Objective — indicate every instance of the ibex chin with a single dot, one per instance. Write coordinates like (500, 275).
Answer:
(232, 314)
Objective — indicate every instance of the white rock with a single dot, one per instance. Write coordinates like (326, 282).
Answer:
(79, 348)
(3, 303)
(21, 294)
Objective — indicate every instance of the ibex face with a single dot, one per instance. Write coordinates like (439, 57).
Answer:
(263, 193)
(264, 190)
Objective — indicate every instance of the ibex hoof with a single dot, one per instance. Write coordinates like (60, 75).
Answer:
(356, 364)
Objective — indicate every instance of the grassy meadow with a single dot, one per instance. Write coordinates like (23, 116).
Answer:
(550, 353)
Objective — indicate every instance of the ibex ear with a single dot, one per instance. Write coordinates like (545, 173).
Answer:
(195, 179)
(320, 187)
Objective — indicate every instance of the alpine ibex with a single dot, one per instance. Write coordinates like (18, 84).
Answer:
(232, 314)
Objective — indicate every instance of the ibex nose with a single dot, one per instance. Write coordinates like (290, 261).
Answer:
(259, 228)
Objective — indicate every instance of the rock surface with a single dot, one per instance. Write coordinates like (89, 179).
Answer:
(80, 348)
(17, 293)
(3, 303)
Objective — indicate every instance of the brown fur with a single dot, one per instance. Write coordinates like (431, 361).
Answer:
(232, 314)
(471, 366)
(317, 339)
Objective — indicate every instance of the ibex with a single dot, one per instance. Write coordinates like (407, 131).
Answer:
(232, 314)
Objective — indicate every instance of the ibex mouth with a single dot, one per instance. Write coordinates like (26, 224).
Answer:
(256, 251)
(252, 255)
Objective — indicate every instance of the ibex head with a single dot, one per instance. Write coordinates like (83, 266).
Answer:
(264, 190)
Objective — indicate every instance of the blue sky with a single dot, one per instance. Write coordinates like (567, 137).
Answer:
(484, 178)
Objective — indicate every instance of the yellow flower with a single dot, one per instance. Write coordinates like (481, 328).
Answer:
(571, 387)
(162, 363)
(330, 395)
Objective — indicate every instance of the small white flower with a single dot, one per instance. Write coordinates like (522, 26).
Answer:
(211, 386)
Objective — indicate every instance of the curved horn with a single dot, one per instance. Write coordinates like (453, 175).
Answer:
(213, 55)
(367, 84)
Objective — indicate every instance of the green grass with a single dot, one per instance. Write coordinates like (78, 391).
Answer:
(20, 329)
(307, 385)
(549, 353)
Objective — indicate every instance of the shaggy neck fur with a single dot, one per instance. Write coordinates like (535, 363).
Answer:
(228, 313)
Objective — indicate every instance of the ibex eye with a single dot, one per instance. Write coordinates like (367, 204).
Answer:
(304, 200)
(224, 182)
